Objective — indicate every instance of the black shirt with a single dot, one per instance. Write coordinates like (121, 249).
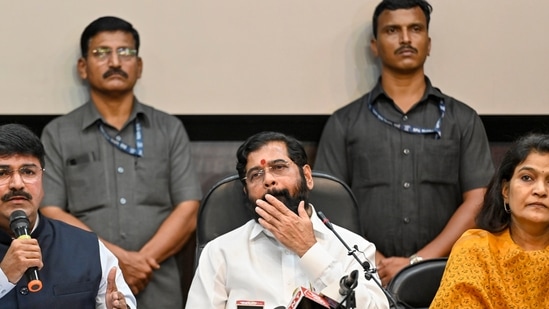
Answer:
(408, 185)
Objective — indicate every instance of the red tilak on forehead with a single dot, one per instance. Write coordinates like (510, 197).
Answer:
(263, 161)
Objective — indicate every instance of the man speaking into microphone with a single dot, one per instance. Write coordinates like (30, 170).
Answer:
(46, 263)
(286, 247)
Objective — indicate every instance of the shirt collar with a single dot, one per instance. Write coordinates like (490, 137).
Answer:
(430, 92)
(92, 115)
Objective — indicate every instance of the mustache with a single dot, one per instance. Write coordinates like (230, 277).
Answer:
(282, 193)
(403, 47)
(292, 202)
(18, 193)
(113, 71)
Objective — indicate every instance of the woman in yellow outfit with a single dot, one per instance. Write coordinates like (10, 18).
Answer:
(505, 264)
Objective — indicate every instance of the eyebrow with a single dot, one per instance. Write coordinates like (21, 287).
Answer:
(528, 169)
(258, 167)
(5, 167)
(278, 160)
(413, 24)
(113, 48)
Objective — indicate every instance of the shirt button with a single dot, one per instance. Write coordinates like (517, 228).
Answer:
(406, 151)
(123, 235)
(120, 170)
(123, 201)
(404, 118)
(406, 185)
(406, 220)
(24, 291)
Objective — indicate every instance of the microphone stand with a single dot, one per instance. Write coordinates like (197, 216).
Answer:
(348, 291)
(349, 300)
(368, 271)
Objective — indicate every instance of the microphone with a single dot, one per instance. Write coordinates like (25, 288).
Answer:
(367, 271)
(19, 224)
(304, 298)
(348, 283)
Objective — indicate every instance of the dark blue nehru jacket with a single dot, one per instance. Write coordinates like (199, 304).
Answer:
(72, 268)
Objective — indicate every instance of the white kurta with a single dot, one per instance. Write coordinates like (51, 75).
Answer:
(250, 264)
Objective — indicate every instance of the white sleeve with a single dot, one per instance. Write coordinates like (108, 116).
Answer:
(320, 264)
(5, 285)
(208, 288)
(108, 261)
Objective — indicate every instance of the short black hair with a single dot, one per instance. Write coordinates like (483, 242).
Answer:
(106, 23)
(392, 5)
(16, 139)
(296, 152)
(492, 216)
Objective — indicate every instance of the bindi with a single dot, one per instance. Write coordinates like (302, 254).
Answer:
(263, 162)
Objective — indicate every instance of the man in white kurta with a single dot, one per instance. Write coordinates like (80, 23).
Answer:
(287, 246)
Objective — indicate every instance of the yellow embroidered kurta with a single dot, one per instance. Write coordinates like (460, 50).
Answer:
(488, 270)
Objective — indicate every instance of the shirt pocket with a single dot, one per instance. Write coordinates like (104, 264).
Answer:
(373, 165)
(74, 289)
(153, 179)
(86, 186)
(441, 163)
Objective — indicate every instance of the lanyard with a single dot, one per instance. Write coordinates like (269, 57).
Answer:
(137, 151)
(409, 128)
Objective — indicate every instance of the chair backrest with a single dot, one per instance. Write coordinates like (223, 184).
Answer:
(336, 200)
(224, 207)
(415, 285)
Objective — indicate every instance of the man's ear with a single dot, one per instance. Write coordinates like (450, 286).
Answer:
(139, 67)
(373, 47)
(82, 67)
(308, 173)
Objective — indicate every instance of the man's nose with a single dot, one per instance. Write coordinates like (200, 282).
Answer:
(114, 60)
(16, 181)
(268, 178)
(404, 37)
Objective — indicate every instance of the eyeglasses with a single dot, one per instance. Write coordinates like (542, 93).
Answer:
(277, 168)
(124, 53)
(28, 174)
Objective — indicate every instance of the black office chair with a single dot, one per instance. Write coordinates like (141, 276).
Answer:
(224, 207)
(415, 285)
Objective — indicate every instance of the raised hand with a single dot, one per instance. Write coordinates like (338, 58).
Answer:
(295, 232)
(113, 298)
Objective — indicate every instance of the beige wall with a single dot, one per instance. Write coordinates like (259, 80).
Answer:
(273, 56)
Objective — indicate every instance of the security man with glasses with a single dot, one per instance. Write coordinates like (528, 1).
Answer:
(123, 169)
